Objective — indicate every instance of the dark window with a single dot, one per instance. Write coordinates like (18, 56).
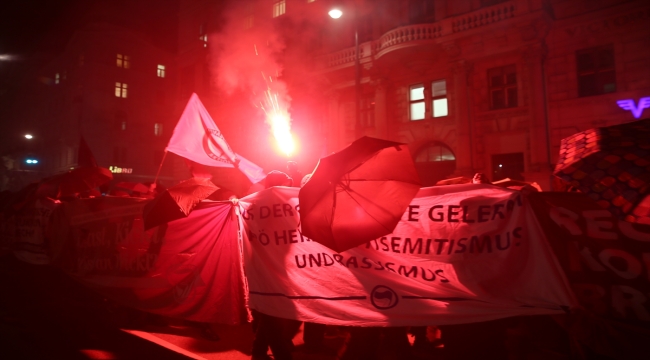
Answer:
(119, 154)
(596, 74)
(421, 11)
(507, 166)
(503, 87)
(161, 99)
(367, 111)
(120, 120)
(187, 80)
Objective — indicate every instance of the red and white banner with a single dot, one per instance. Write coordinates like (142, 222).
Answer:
(28, 231)
(460, 254)
(197, 137)
(189, 268)
(607, 260)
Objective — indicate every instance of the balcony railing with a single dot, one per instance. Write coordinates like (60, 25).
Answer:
(407, 34)
(483, 17)
(418, 34)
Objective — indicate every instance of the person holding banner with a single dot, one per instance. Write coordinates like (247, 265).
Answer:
(271, 331)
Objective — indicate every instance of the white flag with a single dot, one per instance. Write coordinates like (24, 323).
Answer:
(197, 137)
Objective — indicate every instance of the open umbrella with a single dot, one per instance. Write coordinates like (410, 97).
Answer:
(612, 166)
(177, 201)
(74, 181)
(358, 194)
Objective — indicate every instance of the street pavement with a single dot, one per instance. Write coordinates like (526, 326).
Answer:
(44, 314)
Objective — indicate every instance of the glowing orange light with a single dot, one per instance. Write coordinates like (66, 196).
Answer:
(281, 128)
(280, 123)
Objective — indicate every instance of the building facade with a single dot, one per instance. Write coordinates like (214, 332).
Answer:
(113, 85)
(491, 86)
(471, 86)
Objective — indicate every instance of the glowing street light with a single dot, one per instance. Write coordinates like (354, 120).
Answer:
(335, 13)
(28, 136)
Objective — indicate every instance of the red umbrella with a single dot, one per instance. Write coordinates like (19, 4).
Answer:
(177, 201)
(612, 166)
(74, 181)
(358, 194)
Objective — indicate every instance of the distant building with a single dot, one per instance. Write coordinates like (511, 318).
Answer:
(115, 87)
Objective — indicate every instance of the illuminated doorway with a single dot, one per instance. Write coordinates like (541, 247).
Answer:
(434, 161)
(507, 166)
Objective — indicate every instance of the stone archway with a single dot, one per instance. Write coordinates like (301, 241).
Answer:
(434, 161)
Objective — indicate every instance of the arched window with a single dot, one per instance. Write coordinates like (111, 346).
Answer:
(434, 152)
(434, 161)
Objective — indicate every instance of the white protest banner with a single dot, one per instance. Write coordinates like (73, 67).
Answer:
(30, 223)
(461, 253)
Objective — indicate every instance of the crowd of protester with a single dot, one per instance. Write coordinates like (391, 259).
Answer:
(539, 337)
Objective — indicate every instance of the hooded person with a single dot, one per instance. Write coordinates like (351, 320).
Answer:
(271, 331)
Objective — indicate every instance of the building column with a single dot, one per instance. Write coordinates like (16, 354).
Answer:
(460, 98)
(334, 123)
(539, 167)
(381, 109)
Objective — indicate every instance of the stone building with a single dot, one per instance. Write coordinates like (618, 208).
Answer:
(471, 86)
(491, 86)
(113, 83)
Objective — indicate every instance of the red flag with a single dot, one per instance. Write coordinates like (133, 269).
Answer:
(197, 137)
(85, 156)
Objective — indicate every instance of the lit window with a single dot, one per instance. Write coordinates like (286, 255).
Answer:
(279, 8)
(204, 39)
(248, 22)
(439, 98)
(203, 35)
(158, 129)
(121, 90)
(503, 87)
(57, 78)
(161, 71)
(596, 74)
(416, 99)
(123, 61)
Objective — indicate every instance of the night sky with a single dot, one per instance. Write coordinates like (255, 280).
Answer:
(25, 24)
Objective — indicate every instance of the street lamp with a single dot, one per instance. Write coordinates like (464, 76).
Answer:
(335, 14)
(28, 136)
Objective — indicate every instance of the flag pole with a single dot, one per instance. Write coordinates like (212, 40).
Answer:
(155, 180)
